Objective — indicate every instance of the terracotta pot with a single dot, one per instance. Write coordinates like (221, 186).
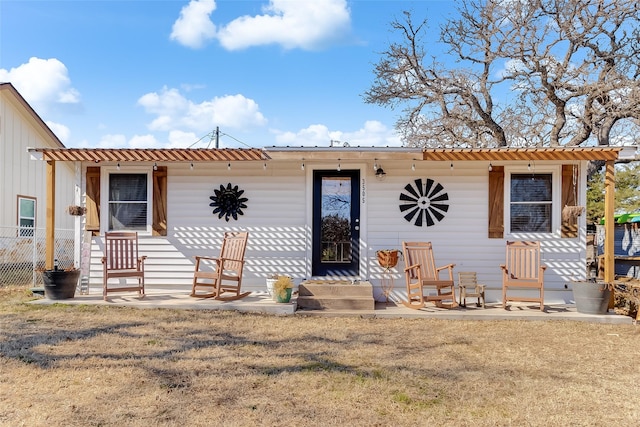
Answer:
(387, 259)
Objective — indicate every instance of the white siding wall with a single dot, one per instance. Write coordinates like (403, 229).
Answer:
(19, 175)
(278, 219)
(275, 218)
(461, 237)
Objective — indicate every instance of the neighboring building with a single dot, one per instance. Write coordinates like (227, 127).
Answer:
(324, 212)
(23, 189)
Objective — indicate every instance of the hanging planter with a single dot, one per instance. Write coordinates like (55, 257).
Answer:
(387, 258)
(571, 213)
(77, 210)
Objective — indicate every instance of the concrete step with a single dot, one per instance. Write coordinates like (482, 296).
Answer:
(335, 295)
(335, 303)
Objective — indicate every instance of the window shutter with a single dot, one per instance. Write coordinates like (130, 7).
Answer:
(160, 201)
(569, 223)
(496, 202)
(92, 201)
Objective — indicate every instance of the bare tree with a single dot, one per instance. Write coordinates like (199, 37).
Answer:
(525, 73)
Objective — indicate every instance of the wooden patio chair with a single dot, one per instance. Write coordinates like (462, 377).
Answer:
(224, 273)
(121, 261)
(468, 287)
(422, 275)
(523, 271)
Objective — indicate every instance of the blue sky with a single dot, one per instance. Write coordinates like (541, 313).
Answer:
(159, 74)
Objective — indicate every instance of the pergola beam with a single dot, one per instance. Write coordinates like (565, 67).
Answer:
(50, 210)
(609, 230)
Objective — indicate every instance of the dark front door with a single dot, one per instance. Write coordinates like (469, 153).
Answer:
(336, 223)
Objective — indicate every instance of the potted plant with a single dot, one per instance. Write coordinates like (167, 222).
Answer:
(387, 258)
(282, 289)
(75, 210)
(591, 296)
(60, 283)
(271, 279)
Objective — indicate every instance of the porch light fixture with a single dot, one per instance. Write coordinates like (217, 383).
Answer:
(118, 166)
(490, 167)
(155, 166)
(265, 166)
(229, 166)
(338, 165)
(413, 167)
(380, 174)
(451, 166)
(302, 166)
(375, 165)
(191, 166)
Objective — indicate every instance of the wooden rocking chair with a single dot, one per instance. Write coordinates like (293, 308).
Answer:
(523, 271)
(225, 273)
(121, 261)
(421, 273)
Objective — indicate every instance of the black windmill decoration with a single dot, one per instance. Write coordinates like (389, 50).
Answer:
(424, 204)
(228, 202)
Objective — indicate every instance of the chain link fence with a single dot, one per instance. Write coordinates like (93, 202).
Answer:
(22, 254)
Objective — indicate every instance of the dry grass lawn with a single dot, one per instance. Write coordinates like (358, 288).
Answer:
(99, 366)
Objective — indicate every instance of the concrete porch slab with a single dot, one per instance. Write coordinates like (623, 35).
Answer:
(260, 302)
(257, 302)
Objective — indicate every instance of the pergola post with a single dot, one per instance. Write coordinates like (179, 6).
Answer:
(609, 229)
(50, 227)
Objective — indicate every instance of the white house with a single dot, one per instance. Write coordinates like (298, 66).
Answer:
(23, 183)
(468, 203)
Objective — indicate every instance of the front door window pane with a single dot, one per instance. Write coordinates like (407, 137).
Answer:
(335, 233)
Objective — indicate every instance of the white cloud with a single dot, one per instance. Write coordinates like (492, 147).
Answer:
(180, 139)
(175, 112)
(373, 133)
(193, 28)
(143, 141)
(61, 131)
(44, 83)
(112, 141)
(291, 24)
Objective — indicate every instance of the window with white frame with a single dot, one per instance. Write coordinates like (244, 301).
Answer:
(531, 202)
(128, 201)
(26, 216)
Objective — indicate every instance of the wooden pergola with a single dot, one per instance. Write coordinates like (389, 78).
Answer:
(607, 154)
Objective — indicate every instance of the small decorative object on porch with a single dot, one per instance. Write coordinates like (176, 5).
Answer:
(228, 202)
(424, 203)
(282, 289)
(387, 258)
(591, 296)
(60, 283)
(77, 210)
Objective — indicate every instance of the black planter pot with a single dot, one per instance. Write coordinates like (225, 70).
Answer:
(591, 297)
(59, 284)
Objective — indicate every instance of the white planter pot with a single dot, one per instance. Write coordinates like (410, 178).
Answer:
(270, 283)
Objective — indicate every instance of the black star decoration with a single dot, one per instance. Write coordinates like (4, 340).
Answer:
(228, 202)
